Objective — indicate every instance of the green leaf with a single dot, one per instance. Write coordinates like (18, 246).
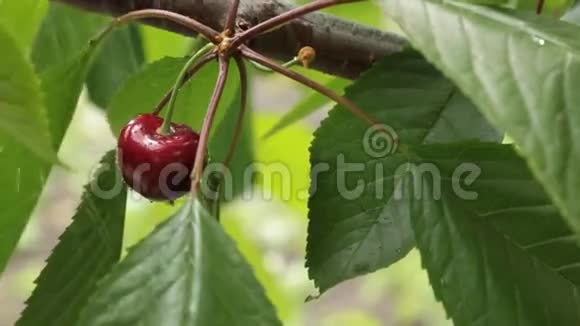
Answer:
(187, 272)
(23, 176)
(520, 70)
(356, 224)
(500, 254)
(143, 91)
(67, 31)
(121, 57)
(63, 56)
(87, 251)
(62, 85)
(22, 115)
(309, 105)
(21, 19)
(24, 136)
(23, 173)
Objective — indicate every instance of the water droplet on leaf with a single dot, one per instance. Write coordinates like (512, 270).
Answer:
(539, 40)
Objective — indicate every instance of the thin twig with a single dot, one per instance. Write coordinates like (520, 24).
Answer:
(207, 32)
(252, 55)
(540, 6)
(230, 26)
(198, 166)
(166, 126)
(284, 18)
(200, 64)
(243, 105)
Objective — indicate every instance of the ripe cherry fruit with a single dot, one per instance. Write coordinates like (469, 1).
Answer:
(157, 165)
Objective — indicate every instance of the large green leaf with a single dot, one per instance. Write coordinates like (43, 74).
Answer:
(67, 30)
(520, 70)
(64, 33)
(354, 232)
(23, 135)
(22, 115)
(495, 249)
(21, 19)
(62, 85)
(24, 175)
(87, 250)
(62, 57)
(187, 272)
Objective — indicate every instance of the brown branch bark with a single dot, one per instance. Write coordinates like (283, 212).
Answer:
(343, 48)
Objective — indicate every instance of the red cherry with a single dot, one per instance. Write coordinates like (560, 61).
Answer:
(155, 165)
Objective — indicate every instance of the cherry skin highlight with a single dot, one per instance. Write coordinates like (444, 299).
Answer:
(158, 166)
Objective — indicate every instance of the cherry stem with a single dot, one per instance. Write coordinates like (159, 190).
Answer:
(207, 32)
(540, 6)
(198, 166)
(166, 126)
(243, 105)
(230, 26)
(284, 18)
(254, 56)
(192, 71)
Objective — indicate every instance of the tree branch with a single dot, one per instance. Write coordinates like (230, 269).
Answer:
(343, 48)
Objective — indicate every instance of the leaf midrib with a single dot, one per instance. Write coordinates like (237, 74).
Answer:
(485, 216)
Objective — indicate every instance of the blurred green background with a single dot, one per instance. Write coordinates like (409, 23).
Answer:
(271, 233)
